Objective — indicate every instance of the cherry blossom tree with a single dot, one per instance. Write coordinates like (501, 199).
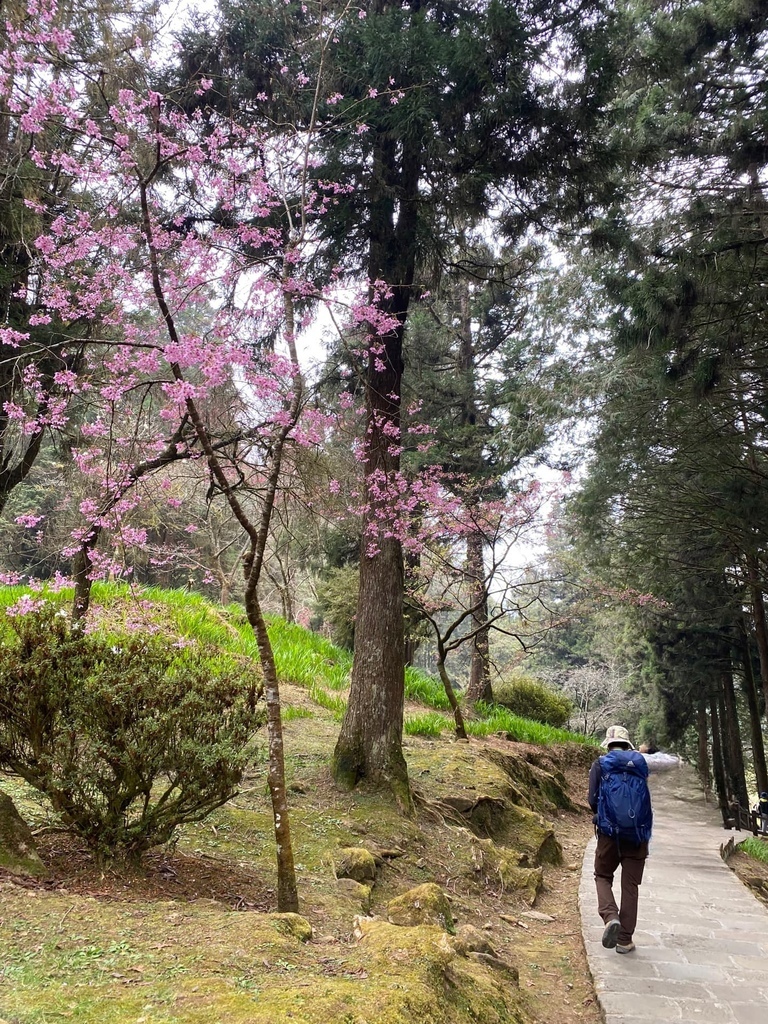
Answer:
(171, 221)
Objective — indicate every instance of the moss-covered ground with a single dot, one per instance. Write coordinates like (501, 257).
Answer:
(189, 937)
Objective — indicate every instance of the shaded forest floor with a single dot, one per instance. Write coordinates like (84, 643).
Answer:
(189, 937)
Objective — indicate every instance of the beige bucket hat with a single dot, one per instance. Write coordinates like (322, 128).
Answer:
(617, 734)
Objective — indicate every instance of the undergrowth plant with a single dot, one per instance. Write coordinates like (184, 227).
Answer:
(430, 723)
(128, 736)
(757, 848)
(529, 698)
(496, 719)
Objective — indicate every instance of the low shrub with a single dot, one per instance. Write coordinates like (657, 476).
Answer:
(531, 699)
(128, 736)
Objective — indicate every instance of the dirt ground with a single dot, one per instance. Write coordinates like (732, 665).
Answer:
(752, 872)
(545, 946)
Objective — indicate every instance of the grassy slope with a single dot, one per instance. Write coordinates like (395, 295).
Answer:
(109, 949)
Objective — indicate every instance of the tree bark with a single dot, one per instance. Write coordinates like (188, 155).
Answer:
(732, 748)
(287, 893)
(761, 627)
(370, 741)
(758, 747)
(718, 765)
(702, 753)
(479, 686)
(458, 718)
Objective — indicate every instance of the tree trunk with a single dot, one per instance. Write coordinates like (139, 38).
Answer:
(702, 753)
(479, 687)
(761, 628)
(287, 894)
(718, 766)
(81, 568)
(370, 742)
(758, 747)
(732, 748)
(461, 732)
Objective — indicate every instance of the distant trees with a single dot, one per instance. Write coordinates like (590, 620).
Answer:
(167, 228)
(430, 115)
(675, 502)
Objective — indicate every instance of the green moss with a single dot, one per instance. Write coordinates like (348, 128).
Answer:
(77, 959)
(425, 904)
(292, 924)
(355, 862)
(489, 796)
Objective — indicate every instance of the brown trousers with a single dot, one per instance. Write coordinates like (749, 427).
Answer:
(608, 856)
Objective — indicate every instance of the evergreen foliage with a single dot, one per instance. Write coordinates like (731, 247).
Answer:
(529, 698)
(127, 735)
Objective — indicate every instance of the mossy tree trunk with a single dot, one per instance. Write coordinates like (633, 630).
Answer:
(479, 686)
(370, 742)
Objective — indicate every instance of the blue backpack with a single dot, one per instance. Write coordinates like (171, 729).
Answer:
(624, 803)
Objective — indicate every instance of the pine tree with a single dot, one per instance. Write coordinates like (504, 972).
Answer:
(429, 114)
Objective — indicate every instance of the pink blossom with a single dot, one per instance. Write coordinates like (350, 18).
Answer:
(24, 606)
(28, 519)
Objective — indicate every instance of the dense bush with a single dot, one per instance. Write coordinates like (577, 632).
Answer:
(530, 699)
(337, 604)
(128, 736)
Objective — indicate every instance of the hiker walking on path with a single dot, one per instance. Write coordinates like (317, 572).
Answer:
(762, 810)
(621, 806)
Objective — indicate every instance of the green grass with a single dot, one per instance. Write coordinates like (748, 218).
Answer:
(496, 719)
(302, 657)
(330, 701)
(291, 713)
(431, 723)
(757, 848)
(425, 689)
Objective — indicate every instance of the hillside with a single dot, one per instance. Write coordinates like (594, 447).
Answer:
(190, 937)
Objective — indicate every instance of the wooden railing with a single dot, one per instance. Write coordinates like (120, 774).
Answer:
(742, 818)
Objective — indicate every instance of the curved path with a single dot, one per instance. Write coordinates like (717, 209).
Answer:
(702, 937)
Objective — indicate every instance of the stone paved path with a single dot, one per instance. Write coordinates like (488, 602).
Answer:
(702, 938)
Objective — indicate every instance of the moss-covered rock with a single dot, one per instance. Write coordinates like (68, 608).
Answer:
(355, 862)
(469, 939)
(18, 853)
(426, 904)
(496, 795)
(292, 924)
(464, 987)
(502, 868)
(542, 784)
(496, 964)
(356, 891)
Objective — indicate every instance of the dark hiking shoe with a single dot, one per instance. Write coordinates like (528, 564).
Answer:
(611, 933)
(625, 949)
